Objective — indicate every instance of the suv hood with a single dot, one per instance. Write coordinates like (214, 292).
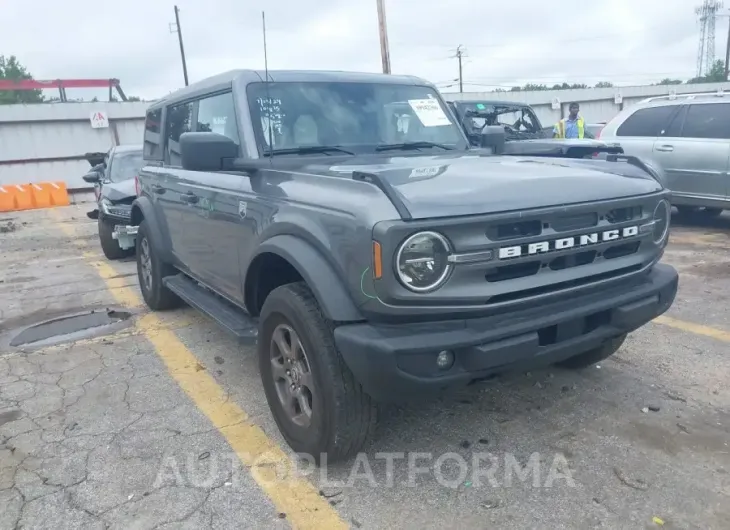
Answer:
(118, 191)
(466, 184)
(559, 147)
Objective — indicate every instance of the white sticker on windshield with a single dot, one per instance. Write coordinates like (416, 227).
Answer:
(429, 112)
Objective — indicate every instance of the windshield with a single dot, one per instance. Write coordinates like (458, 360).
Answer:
(356, 117)
(125, 165)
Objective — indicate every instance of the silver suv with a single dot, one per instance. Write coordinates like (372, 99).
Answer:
(688, 137)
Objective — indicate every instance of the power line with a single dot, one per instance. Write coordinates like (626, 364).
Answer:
(576, 39)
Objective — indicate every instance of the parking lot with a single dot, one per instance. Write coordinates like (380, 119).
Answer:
(159, 420)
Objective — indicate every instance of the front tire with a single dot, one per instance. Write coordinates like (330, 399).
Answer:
(591, 357)
(316, 402)
(110, 246)
(150, 271)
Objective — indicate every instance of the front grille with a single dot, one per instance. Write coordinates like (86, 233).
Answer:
(555, 287)
(567, 261)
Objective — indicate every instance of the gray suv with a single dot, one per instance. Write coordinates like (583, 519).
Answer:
(343, 222)
(687, 137)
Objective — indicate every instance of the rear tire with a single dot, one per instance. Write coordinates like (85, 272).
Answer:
(150, 271)
(697, 214)
(341, 415)
(110, 246)
(594, 356)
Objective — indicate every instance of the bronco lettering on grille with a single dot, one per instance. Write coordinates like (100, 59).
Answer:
(567, 242)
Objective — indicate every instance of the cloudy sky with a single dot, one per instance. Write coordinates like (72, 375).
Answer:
(508, 42)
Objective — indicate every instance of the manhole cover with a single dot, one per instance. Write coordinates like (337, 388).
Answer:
(69, 328)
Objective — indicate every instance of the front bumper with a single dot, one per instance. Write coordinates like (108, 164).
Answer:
(396, 362)
(125, 235)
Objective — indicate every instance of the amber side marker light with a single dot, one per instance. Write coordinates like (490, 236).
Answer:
(377, 261)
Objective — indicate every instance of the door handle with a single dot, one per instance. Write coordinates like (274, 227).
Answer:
(189, 198)
(157, 189)
(665, 148)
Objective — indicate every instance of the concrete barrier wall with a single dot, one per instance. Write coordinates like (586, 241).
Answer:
(46, 142)
(596, 104)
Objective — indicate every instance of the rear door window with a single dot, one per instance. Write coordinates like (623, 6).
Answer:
(649, 122)
(152, 140)
(179, 120)
(709, 120)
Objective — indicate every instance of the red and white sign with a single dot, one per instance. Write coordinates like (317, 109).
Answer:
(99, 120)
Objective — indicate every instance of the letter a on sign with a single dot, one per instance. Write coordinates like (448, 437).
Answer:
(99, 120)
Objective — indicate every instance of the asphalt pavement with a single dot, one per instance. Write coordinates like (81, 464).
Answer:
(158, 420)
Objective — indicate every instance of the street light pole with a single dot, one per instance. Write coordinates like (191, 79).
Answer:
(383, 28)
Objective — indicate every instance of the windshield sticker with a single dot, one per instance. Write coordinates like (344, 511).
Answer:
(481, 106)
(429, 112)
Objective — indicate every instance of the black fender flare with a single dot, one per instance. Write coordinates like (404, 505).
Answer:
(325, 283)
(142, 208)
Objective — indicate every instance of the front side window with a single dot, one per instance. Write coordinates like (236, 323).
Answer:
(649, 122)
(711, 120)
(125, 165)
(216, 114)
(355, 117)
(179, 121)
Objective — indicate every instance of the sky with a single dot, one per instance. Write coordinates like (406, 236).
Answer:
(507, 43)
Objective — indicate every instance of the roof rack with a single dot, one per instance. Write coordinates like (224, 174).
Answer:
(671, 97)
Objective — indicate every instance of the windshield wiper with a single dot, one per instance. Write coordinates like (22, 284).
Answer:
(406, 146)
(309, 149)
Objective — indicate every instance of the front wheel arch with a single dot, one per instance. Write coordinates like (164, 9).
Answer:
(314, 270)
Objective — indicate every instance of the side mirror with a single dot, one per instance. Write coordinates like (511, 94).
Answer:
(205, 151)
(493, 137)
(92, 177)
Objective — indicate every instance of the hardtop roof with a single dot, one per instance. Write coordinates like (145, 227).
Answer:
(225, 80)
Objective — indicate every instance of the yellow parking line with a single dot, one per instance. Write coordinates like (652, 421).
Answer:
(293, 495)
(697, 329)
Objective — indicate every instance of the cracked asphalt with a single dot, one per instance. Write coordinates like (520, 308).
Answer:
(147, 423)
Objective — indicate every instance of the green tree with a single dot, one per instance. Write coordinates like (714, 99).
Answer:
(715, 75)
(668, 81)
(12, 70)
(604, 84)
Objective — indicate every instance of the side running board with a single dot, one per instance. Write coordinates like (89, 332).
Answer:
(242, 326)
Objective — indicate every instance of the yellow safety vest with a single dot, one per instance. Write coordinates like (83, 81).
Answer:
(581, 127)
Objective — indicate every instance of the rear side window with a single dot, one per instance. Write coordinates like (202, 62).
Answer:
(710, 120)
(216, 114)
(179, 121)
(152, 140)
(647, 122)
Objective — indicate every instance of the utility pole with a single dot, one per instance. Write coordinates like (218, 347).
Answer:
(459, 55)
(178, 29)
(383, 28)
(727, 52)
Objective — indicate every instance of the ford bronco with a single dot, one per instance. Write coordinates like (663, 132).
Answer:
(524, 133)
(344, 223)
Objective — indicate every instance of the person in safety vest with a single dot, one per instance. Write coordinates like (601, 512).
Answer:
(573, 126)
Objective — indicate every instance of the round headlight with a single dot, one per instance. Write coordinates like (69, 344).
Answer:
(422, 262)
(662, 213)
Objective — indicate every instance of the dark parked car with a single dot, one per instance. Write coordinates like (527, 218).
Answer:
(344, 223)
(525, 135)
(113, 176)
